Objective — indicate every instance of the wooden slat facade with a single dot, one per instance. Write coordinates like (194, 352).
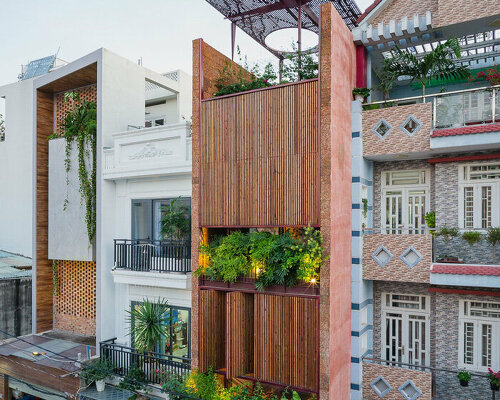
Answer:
(270, 338)
(259, 158)
(239, 334)
(212, 327)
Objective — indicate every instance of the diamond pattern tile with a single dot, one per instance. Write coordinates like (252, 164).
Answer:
(411, 125)
(411, 257)
(380, 386)
(409, 390)
(382, 256)
(382, 129)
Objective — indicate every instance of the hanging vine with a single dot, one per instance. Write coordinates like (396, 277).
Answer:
(80, 126)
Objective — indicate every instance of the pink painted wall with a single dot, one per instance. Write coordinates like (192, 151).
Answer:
(337, 79)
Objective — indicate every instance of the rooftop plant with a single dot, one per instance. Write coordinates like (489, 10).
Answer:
(472, 237)
(493, 238)
(447, 233)
(135, 380)
(436, 64)
(274, 259)
(234, 78)
(97, 370)
(491, 75)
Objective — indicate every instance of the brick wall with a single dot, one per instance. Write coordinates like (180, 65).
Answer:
(397, 141)
(396, 269)
(74, 301)
(379, 168)
(457, 11)
(395, 377)
(406, 8)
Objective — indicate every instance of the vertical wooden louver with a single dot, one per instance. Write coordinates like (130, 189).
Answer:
(239, 334)
(212, 305)
(259, 158)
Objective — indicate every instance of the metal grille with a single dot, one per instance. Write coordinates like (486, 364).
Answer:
(258, 18)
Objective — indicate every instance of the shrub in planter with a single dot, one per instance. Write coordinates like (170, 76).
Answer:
(447, 233)
(472, 237)
(135, 380)
(360, 93)
(464, 377)
(97, 371)
(493, 238)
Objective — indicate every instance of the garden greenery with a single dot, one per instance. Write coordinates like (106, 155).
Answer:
(273, 259)
(472, 237)
(80, 126)
(135, 380)
(297, 66)
(97, 370)
(205, 386)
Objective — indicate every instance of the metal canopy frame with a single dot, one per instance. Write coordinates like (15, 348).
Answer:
(259, 18)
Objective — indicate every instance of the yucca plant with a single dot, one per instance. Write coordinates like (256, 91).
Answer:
(147, 323)
(437, 64)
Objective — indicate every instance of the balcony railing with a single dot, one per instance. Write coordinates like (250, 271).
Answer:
(444, 383)
(456, 108)
(152, 255)
(124, 358)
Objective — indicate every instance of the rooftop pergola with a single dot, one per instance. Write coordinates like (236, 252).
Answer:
(259, 18)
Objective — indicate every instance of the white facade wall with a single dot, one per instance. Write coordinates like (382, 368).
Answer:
(16, 169)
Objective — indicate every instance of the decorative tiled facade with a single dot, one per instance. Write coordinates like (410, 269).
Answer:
(396, 378)
(416, 268)
(397, 141)
(406, 8)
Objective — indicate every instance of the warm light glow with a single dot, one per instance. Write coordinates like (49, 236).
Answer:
(257, 271)
(313, 280)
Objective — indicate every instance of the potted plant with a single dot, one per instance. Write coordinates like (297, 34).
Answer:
(361, 94)
(494, 378)
(134, 381)
(97, 371)
(464, 377)
(447, 233)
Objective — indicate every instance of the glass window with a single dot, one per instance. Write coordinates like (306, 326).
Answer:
(141, 220)
(177, 340)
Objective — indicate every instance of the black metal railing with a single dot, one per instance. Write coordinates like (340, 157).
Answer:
(153, 255)
(445, 384)
(124, 358)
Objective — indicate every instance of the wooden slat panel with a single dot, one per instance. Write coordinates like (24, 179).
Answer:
(239, 334)
(286, 340)
(44, 127)
(212, 327)
(259, 158)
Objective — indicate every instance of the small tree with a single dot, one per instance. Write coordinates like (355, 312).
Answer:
(387, 77)
(437, 64)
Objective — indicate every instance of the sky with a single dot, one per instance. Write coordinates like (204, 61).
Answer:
(158, 31)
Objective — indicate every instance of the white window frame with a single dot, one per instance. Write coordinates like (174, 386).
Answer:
(477, 185)
(404, 189)
(477, 321)
(405, 312)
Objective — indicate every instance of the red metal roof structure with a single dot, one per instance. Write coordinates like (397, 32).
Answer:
(259, 18)
(466, 130)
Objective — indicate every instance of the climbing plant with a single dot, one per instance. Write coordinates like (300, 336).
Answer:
(80, 126)
(2, 128)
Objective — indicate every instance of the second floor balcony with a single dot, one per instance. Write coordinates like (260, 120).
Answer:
(152, 256)
(451, 121)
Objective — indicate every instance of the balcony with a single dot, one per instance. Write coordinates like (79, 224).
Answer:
(152, 255)
(452, 121)
(397, 257)
(397, 380)
(123, 358)
(154, 151)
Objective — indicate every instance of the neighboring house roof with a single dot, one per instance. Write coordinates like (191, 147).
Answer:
(369, 10)
(10, 266)
(466, 130)
(465, 269)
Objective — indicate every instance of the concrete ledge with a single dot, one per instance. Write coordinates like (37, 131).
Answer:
(170, 280)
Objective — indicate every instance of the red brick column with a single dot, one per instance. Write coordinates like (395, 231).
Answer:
(337, 77)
